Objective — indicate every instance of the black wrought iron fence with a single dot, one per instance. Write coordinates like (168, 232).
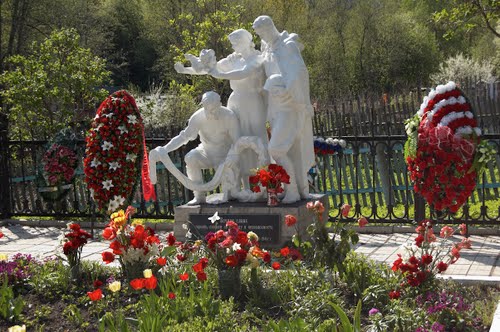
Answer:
(26, 198)
(370, 174)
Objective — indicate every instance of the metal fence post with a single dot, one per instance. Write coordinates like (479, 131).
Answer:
(419, 208)
(5, 208)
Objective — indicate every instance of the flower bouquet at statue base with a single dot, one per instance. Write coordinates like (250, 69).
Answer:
(444, 150)
(230, 250)
(135, 245)
(271, 177)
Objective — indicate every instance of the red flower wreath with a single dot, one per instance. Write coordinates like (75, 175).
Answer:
(114, 152)
(446, 141)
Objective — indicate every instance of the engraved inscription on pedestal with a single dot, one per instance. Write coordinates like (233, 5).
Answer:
(266, 226)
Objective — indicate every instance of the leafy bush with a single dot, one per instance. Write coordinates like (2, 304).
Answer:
(461, 68)
(161, 110)
(53, 87)
(360, 273)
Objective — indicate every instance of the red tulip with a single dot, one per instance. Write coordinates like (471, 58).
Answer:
(95, 295)
(150, 283)
(161, 261)
(137, 283)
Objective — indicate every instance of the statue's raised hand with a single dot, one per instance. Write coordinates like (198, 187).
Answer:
(179, 67)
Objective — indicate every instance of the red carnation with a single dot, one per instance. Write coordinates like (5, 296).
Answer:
(198, 267)
(426, 259)
(285, 251)
(267, 257)
(108, 257)
(171, 239)
(204, 262)
(290, 220)
(393, 295)
(442, 266)
(231, 261)
(201, 276)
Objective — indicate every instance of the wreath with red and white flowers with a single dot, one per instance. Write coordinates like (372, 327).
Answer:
(114, 152)
(444, 151)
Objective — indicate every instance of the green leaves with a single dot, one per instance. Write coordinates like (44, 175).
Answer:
(50, 88)
(485, 153)
(10, 306)
(346, 325)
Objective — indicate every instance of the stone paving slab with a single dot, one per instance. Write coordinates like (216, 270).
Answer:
(482, 261)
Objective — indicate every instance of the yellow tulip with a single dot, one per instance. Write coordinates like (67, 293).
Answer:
(252, 236)
(148, 273)
(115, 286)
(3, 257)
(17, 328)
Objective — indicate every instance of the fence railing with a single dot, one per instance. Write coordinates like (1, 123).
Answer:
(364, 116)
(370, 174)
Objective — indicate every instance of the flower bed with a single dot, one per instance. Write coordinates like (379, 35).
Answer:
(300, 287)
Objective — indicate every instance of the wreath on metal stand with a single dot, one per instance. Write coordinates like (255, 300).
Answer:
(55, 176)
(444, 151)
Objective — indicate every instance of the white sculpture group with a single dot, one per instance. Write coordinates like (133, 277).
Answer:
(269, 85)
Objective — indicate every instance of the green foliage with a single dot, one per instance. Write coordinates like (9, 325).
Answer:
(11, 307)
(53, 87)
(296, 324)
(346, 325)
(360, 273)
(73, 315)
(463, 15)
(485, 153)
(399, 316)
(411, 126)
(324, 251)
(51, 279)
(197, 25)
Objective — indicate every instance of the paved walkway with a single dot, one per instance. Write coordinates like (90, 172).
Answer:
(482, 262)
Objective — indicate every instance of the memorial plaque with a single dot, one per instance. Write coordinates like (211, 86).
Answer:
(266, 226)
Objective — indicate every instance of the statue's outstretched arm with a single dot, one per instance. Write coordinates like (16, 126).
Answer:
(222, 70)
(179, 67)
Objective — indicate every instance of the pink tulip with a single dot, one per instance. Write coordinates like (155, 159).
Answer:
(362, 222)
(345, 210)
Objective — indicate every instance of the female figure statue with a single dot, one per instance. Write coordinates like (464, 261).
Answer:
(246, 74)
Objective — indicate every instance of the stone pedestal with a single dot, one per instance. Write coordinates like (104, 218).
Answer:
(267, 222)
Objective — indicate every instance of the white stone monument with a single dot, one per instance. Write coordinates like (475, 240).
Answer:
(271, 85)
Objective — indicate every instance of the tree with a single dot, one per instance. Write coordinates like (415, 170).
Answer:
(469, 15)
(189, 27)
(55, 86)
